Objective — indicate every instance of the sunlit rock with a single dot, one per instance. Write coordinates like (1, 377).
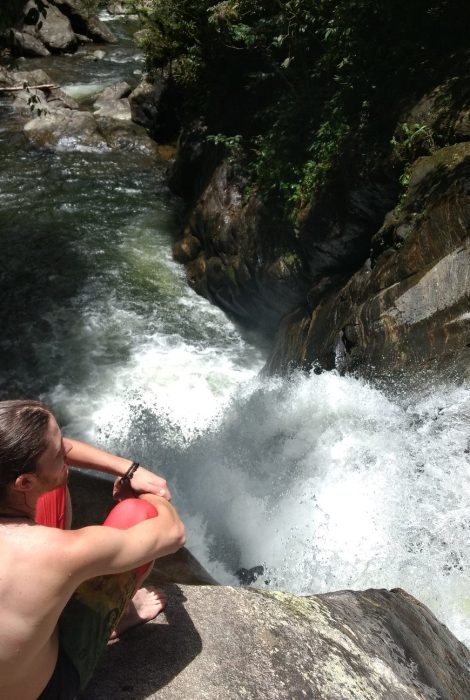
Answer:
(409, 305)
(85, 22)
(220, 642)
(24, 44)
(46, 22)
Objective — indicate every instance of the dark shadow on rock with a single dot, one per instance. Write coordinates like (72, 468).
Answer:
(147, 658)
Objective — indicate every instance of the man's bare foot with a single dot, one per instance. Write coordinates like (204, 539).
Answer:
(146, 604)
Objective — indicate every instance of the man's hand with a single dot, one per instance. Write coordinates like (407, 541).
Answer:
(143, 481)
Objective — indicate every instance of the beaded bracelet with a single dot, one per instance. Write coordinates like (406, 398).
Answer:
(130, 473)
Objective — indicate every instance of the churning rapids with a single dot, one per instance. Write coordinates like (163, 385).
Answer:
(325, 481)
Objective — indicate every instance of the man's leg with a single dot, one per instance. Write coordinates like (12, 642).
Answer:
(98, 604)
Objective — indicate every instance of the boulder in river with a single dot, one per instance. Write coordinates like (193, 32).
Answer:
(24, 44)
(65, 128)
(113, 102)
(84, 22)
(31, 100)
(124, 135)
(45, 22)
(220, 642)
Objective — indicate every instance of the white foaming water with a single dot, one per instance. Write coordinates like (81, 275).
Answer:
(184, 358)
(324, 480)
(80, 91)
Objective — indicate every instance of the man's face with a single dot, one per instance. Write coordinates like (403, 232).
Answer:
(52, 469)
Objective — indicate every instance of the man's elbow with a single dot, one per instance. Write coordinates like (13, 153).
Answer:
(178, 536)
(181, 536)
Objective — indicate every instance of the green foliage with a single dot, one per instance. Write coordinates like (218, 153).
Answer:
(301, 85)
(413, 140)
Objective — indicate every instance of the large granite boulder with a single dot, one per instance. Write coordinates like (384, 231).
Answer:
(220, 642)
(24, 44)
(30, 100)
(45, 22)
(409, 304)
(84, 22)
(65, 129)
(113, 102)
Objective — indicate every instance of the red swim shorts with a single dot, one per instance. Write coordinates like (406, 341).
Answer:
(50, 508)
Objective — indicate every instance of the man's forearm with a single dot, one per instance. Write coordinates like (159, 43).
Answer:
(89, 457)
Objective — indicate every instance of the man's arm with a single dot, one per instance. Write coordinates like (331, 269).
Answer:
(98, 550)
(89, 457)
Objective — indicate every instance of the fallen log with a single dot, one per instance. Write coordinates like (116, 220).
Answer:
(47, 86)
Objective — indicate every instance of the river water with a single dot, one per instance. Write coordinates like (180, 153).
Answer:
(327, 482)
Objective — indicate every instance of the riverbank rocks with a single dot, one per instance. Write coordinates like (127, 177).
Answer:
(46, 23)
(409, 304)
(85, 22)
(220, 642)
(144, 103)
(55, 121)
(113, 102)
(55, 26)
(23, 44)
(372, 276)
(29, 100)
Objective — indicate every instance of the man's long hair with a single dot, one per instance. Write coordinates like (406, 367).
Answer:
(23, 428)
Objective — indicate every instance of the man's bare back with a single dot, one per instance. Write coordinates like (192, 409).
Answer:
(41, 569)
(34, 588)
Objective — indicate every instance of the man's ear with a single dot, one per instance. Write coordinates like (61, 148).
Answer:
(25, 482)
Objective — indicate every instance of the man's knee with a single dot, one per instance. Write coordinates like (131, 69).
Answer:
(130, 512)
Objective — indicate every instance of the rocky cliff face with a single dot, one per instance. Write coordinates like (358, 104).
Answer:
(410, 302)
(376, 279)
(236, 254)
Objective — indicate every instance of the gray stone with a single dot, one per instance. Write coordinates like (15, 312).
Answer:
(45, 22)
(65, 128)
(220, 642)
(144, 101)
(117, 8)
(409, 305)
(34, 101)
(119, 109)
(83, 22)
(23, 44)
(112, 102)
(124, 135)
(99, 54)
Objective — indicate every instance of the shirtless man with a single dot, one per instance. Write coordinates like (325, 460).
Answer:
(63, 592)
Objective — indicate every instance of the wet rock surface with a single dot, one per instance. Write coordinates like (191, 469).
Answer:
(220, 642)
(409, 305)
(54, 120)
(46, 23)
(227, 246)
(376, 277)
(55, 26)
